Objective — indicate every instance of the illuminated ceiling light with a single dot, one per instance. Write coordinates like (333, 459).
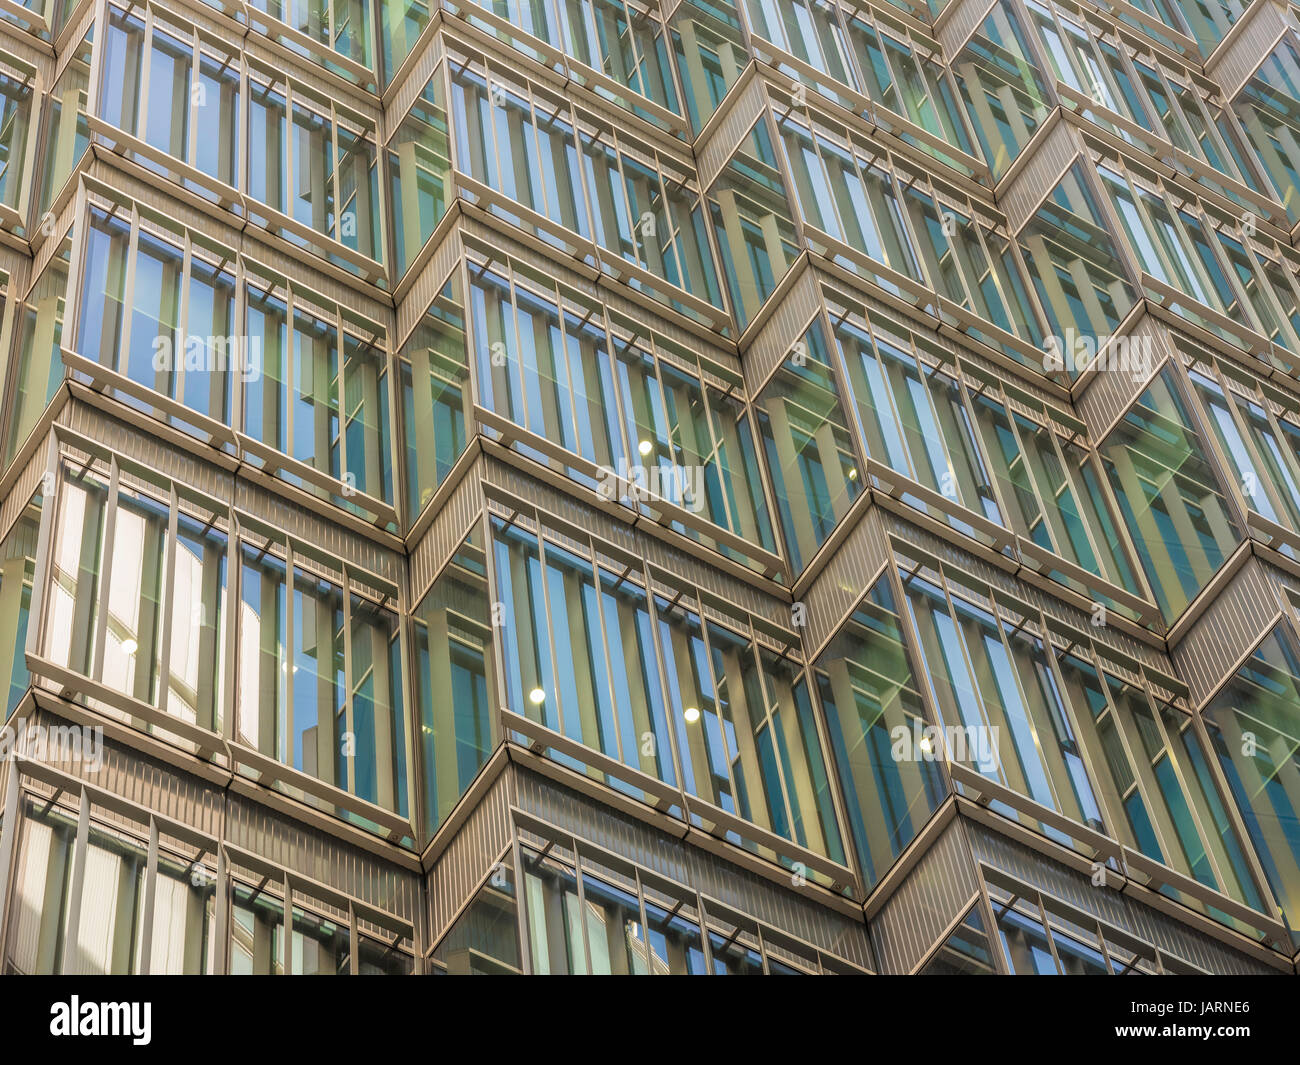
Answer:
(925, 744)
(537, 696)
(645, 447)
(129, 646)
(853, 473)
(691, 714)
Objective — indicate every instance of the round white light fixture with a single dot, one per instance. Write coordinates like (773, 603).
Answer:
(691, 714)
(129, 646)
(645, 447)
(537, 696)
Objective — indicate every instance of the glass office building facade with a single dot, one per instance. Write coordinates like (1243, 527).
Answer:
(700, 487)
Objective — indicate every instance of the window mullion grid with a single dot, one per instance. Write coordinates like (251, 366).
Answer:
(1263, 479)
(769, 722)
(624, 753)
(1205, 833)
(551, 631)
(1111, 818)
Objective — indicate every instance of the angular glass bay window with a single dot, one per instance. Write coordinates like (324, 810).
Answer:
(1054, 494)
(997, 684)
(874, 57)
(1169, 494)
(1263, 451)
(36, 368)
(177, 93)
(137, 598)
(649, 681)
(17, 578)
(1269, 109)
(435, 399)
(912, 414)
(1254, 729)
(16, 119)
(708, 42)
(65, 130)
(319, 674)
(750, 208)
(1068, 735)
(455, 687)
(1002, 87)
(341, 26)
(813, 464)
(1076, 268)
(419, 169)
(871, 698)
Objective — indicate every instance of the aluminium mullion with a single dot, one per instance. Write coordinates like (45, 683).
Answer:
(285, 740)
(348, 708)
(76, 887)
(150, 900)
(179, 341)
(146, 70)
(168, 619)
(104, 592)
(128, 290)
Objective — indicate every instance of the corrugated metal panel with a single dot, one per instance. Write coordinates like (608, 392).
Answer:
(143, 780)
(842, 583)
(1106, 905)
(413, 84)
(1233, 66)
(1231, 624)
(1106, 395)
(932, 896)
(446, 533)
(742, 109)
(24, 487)
(469, 856)
(960, 19)
(669, 856)
(433, 276)
(1039, 176)
(787, 324)
(319, 856)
